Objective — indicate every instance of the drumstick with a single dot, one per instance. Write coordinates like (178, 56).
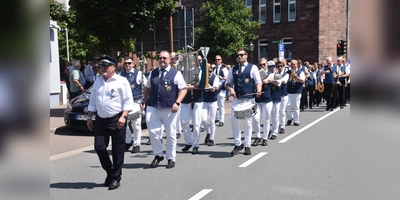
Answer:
(137, 96)
(251, 94)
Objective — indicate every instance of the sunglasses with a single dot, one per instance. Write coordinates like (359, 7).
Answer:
(127, 63)
(162, 58)
(199, 60)
(241, 55)
(218, 59)
(210, 70)
(262, 64)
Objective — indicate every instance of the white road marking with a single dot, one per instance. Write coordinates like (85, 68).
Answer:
(253, 159)
(306, 127)
(201, 194)
(71, 153)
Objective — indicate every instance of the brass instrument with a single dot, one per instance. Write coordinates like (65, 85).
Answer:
(291, 77)
(320, 87)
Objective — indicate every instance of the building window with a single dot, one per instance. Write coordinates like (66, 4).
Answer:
(262, 49)
(277, 11)
(263, 11)
(288, 48)
(292, 11)
(249, 4)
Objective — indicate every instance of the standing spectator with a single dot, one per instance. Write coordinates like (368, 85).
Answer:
(311, 82)
(221, 71)
(135, 79)
(77, 80)
(67, 71)
(294, 88)
(345, 72)
(167, 88)
(111, 98)
(89, 74)
(243, 79)
(318, 94)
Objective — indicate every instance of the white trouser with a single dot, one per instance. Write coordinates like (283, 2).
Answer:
(137, 129)
(196, 121)
(221, 105)
(154, 119)
(209, 108)
(236, 128)
(185, 115)
(275, 117)
(266, 109)
(282, 110)
(294, 100)
(178, 121)
(256, 123)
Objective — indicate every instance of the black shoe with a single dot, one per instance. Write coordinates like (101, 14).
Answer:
(114, 185)
(331, 109)
(301, 110)
(186, 148)
(210, 143)
(317, 105)
(207, 139)
(327, 109)
(296, 124)
(135, 149)
(108, 181)
(289, 121)
(281, 130)
(221, 124)
(127, 146)
(148, 142)
(256, 142)
(156, 161)
(273, 137)
(201, 129)
(264, 142)
(216, 121)
(178, 135)
(247, 151)
(171, 164)
(310, 107)
(195, 150)
(236, 149)
(341, 107)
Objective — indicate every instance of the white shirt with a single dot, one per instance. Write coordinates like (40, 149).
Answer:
(89, 74)
(178, 80)
(254, 74)
(224, 70)
(108, 98)
(285, 77)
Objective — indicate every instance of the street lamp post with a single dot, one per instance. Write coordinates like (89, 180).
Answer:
(67, 42)
(251, 47)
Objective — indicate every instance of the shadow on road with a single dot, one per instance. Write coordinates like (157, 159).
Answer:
(63, 130)
(57, 112)
(76, 185)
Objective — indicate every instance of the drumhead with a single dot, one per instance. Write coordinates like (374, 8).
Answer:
(243, 106)
(136, 108)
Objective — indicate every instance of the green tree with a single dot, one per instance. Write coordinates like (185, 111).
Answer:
(117, 22)
(225, 27)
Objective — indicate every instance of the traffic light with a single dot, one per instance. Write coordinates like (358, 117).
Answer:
(341, 47)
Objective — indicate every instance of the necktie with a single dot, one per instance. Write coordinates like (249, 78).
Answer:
(240, 69)
(162, 74)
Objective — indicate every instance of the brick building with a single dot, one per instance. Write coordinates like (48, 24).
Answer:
(309, 29)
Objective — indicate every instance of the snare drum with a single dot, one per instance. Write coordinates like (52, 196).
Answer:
(245, 110)
(135, 113)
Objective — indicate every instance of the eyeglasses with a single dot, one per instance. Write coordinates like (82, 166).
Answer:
(127, 63)
(163, 58)
(241, 55)
(262, 64)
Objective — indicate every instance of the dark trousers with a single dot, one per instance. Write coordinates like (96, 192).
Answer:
(74, 94)
(104, 128)
(87, 84)
(330, 99)
(342, 90)
(303, 100)
(310, 89)
(347, 93)
(318, 97)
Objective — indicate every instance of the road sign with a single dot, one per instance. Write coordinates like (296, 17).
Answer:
(281, 51)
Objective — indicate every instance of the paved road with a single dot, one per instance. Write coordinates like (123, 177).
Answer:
(311, 165)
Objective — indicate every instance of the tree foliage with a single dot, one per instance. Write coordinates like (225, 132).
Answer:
(115, 23)
(225, 27)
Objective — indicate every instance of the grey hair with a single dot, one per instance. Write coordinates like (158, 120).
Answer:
(75, 63)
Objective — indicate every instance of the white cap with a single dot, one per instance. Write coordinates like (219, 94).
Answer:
(271, 63)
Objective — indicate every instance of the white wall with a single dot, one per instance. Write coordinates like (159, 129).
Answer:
(54, 65)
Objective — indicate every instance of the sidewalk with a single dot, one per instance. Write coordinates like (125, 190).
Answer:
(57, 115)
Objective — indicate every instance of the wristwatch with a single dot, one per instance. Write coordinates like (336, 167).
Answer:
(177, 103)
(126, 117)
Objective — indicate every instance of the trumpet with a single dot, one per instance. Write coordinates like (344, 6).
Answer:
(337, 79)
(291, 77)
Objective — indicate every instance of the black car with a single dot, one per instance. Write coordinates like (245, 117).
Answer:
(76, 112)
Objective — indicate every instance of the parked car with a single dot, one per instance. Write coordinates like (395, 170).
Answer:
(76, 112)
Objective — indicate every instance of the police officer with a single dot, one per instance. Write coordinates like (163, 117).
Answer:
(165, 89)
(245, 79)
(111, 98)
(136, 79)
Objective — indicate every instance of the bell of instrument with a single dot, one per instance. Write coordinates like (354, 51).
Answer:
(320, 87)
